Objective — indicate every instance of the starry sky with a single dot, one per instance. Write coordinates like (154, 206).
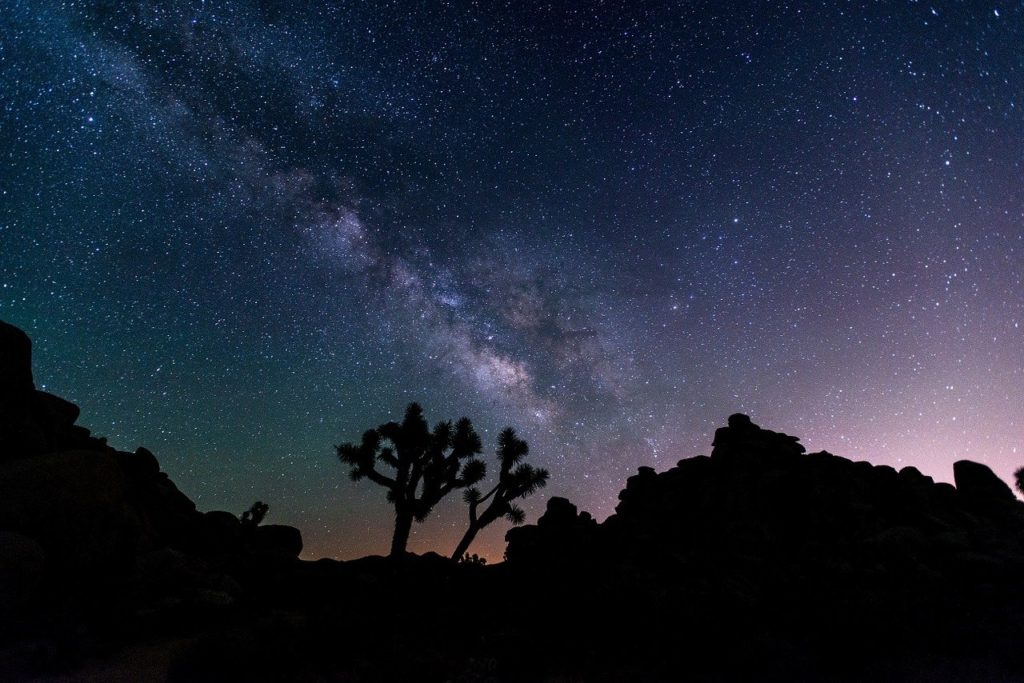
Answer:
(242, 232)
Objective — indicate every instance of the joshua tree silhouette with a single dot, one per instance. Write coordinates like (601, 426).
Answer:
(1018, 479)
(255, 514)
(515, 481)
(427, 465)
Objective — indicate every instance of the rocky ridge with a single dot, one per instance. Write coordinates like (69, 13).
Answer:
(86, 528)
(758, 560)
(774, 559)
(760, 494)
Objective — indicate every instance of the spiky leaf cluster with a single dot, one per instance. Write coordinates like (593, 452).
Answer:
(515, 480)
(255, 514)
(418, 466)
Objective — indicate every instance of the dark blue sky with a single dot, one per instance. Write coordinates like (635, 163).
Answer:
(240, 233)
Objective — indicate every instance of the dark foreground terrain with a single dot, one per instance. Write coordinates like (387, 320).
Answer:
(760, 562)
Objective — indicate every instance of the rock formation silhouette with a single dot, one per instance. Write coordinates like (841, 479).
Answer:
(33, 421)
(770, 558)
(758, 562)
(760, 494)
(87, 528)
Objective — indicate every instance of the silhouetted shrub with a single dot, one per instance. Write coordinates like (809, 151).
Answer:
(255, 514)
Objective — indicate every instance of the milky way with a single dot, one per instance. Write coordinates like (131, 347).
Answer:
(240, 233)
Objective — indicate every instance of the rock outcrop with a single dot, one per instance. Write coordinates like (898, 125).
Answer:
(760, 494)
(979, 485)
(561, 534)
(758, 562)
(97, 525)
(32, 421)
(762, 555)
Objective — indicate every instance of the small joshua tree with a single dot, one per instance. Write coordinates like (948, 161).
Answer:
(515, 480)
(255, 514)
(1018, 479)
(425, 465)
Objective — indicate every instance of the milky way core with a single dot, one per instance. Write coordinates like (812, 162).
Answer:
(240, 233)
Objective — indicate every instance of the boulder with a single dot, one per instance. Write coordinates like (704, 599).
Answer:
(141, 464)
(562, 533)
(54, 413)
(278, 539)
(172, 512)
(913, 476)
(977, 483)
(16, 388)
(559, 512)
(31, 421)
(743, 439)
(220, 533)
(15, 363)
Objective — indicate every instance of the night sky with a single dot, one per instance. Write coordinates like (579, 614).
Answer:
(242, 232)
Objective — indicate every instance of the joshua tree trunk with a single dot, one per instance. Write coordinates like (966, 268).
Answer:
(463, 546)
(403, 524)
